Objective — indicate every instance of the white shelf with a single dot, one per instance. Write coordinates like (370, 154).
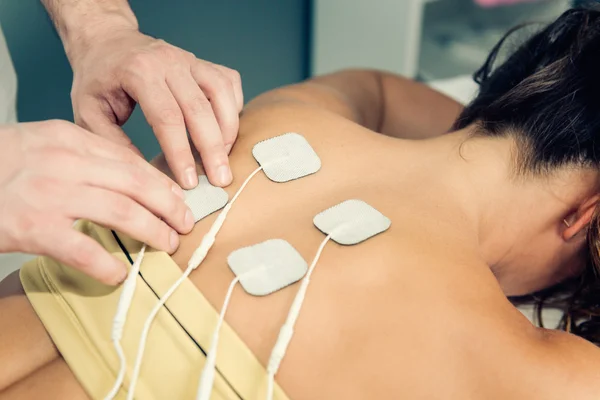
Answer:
(431, 39)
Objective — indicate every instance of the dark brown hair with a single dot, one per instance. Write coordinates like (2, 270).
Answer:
(547, 95)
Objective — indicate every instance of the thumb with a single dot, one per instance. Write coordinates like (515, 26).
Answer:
(93, 117)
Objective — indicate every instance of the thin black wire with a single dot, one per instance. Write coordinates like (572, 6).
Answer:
(122, 246)
(126, 252)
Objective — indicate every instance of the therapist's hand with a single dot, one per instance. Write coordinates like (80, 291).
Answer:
(175, 90)
(54, 172)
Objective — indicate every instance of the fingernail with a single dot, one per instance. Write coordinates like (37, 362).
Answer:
(120, 275)
(190, 177)
(224, 175)
(228, 148)
(174, 240)
(178, 191)
(189, 219)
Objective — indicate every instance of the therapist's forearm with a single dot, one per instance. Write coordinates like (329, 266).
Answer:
(80, 22)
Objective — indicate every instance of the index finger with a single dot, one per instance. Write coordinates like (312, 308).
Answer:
(83, 253)
(205, 132)
(166, 119)
(107, 149)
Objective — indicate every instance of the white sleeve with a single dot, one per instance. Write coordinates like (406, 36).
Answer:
(8, 85)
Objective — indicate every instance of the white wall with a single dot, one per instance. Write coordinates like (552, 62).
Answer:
(381, 34)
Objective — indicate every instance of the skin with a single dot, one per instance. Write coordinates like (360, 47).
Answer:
(115, 66)
(72, 174)
(54, 172)
(427, 295)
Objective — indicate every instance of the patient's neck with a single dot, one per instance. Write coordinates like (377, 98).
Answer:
(503, 211)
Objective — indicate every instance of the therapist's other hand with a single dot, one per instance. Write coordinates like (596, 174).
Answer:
(174, 89)
(54, 172)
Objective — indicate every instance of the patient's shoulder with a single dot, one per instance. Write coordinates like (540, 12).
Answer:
(547, 364)
(570, 364)
(504, 356)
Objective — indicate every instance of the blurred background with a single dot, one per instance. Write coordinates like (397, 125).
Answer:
(277, 42)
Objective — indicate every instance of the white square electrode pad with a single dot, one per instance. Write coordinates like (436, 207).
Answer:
(351, 222)
(205, 198)
(286, 157)
(267, 267)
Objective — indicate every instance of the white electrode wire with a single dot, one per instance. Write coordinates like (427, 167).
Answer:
(122, 368)
(287, 330)
(270, 386)
(208, 372)
(195, 260)
(120, 318)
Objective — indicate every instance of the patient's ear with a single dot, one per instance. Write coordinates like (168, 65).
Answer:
(578, 220)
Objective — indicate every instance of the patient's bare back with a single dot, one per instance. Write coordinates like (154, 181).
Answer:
(410, 312)
(378, 315)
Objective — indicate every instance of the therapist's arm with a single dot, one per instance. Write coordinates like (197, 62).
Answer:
(383, 102)
(115, 66)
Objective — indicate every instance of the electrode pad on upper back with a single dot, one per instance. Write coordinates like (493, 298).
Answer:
(267, 267)
(205, 198)
(351, 222)
(286, 157)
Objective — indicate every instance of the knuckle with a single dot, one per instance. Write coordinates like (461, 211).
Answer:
(170, 116)
(233, 75)
(189, 56)
(174, 206)
(38, 185)
(24, 224)
(167, 51)
(83, 254)
(138, 65)
(230, 139)
(43, 187)
(161, 231)
(122, 209)
(165, 234)
(230, 127)
(138, 61)
(63, 157)
(198, 105)
(150, 225)
(138, 180)
(219, 84)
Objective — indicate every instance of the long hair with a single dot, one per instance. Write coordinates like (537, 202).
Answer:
(547, 95)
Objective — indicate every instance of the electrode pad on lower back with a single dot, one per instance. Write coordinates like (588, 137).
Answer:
(351, 222)
(267, 267)
(286, 157)
(205, 198)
